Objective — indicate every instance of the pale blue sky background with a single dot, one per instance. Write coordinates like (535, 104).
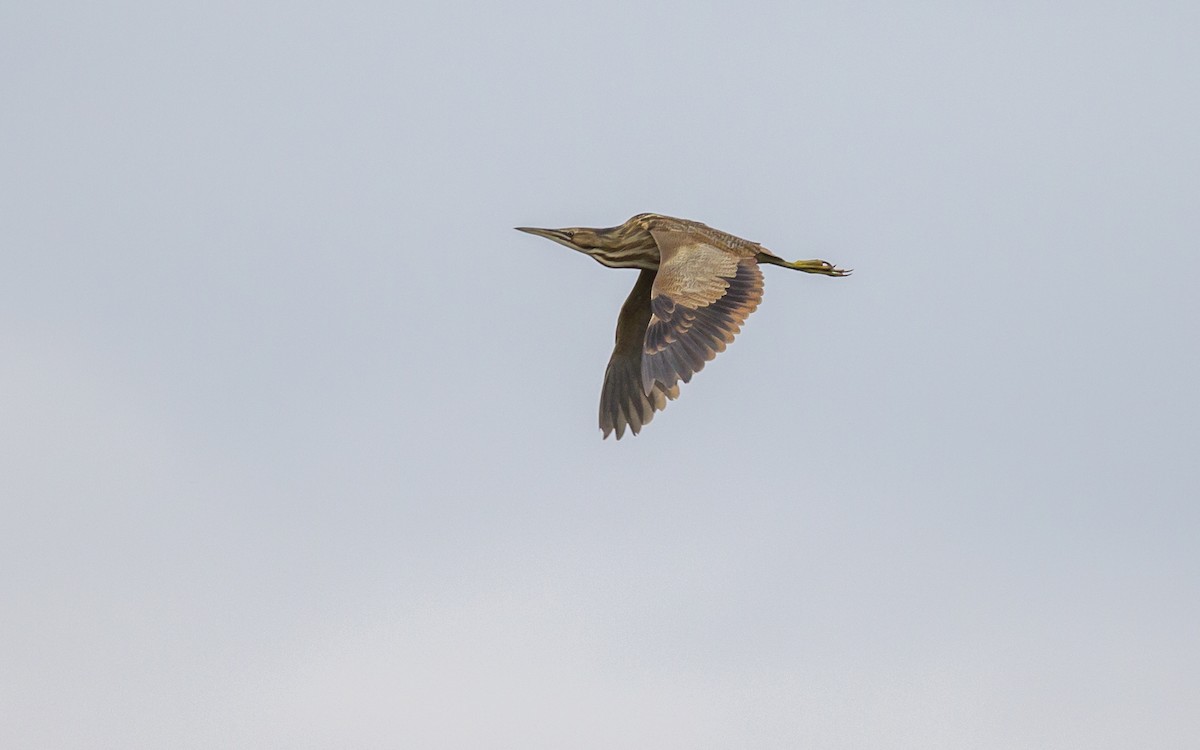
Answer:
(298, 439)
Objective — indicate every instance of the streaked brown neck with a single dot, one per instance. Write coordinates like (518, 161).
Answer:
(626, 246)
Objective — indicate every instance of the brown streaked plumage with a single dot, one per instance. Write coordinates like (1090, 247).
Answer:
(696, 288)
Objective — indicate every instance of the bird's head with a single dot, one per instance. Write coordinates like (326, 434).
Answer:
(583, 239)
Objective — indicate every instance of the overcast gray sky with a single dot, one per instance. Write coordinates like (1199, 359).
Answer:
(298, 440)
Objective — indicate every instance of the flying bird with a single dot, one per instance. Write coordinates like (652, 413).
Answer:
(696, 288)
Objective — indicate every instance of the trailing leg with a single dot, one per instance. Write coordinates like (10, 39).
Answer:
(825, 268)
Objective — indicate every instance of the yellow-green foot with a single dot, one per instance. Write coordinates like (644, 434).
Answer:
(823, 267)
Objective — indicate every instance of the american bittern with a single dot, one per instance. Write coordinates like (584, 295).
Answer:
(696, 288)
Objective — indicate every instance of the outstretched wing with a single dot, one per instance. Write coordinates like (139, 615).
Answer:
(623, 401)
(703, 292)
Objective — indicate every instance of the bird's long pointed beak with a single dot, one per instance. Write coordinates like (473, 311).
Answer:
(561, 236)
(551, 234)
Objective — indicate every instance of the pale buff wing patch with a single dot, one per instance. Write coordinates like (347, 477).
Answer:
(699, 300)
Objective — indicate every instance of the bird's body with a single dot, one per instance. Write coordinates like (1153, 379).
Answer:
(696, 288)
